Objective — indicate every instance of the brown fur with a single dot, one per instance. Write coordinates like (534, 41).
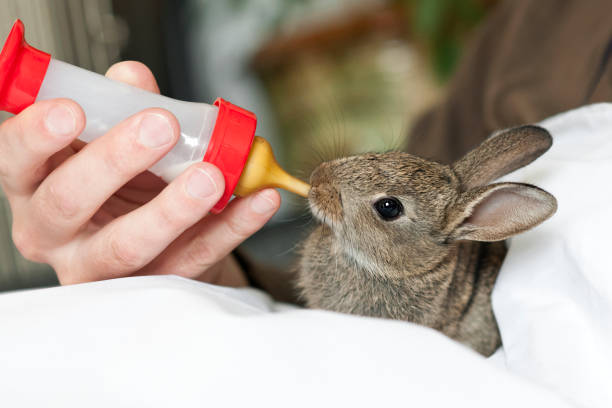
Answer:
(428, 266)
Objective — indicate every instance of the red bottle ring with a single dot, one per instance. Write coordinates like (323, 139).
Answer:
(230, 145)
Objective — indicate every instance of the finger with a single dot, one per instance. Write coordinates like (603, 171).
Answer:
(216, 236)
(133, 73)
(29, 139)
(120, 249)
(73, 192)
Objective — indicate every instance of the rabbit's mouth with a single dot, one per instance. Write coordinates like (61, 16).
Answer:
(325, 204)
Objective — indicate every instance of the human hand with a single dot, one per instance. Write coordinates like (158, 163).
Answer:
(93, 212)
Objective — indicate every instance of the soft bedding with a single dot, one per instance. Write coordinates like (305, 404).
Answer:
(553, 297)
(170, 342)
(167, 341)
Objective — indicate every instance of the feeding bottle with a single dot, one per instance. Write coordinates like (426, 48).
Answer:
(221, 134)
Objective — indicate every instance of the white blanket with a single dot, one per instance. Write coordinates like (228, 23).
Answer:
(171, 342)
(553, 297)
(166, 341)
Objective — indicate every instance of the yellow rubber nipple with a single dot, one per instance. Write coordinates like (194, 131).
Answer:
(262, 170)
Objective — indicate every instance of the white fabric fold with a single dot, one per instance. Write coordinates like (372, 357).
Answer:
(553, 297)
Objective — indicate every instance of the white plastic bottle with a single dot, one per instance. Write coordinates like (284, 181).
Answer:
(221, 134)
(107, 102)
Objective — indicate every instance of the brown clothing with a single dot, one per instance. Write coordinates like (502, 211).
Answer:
(529, 60)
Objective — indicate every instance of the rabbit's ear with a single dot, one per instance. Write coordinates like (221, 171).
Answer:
(501, 154)
(499, 211)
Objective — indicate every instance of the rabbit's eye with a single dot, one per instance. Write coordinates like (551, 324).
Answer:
(389, 208)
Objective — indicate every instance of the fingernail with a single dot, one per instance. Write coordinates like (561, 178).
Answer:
(261, 203)
(60, 120)
(201, 184)
(155, 131)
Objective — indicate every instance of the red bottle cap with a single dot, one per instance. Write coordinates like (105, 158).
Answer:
(22, 70)
(230, 145)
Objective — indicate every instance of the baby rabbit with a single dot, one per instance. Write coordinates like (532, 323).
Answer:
(404, 238)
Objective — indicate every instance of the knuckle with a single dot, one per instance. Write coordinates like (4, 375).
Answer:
(169, 218)
(201, 255)
(120, 160)
(238, 227)
(5, 167)
(206, 253)
(57, 201)
(123, 255)
(25, 242)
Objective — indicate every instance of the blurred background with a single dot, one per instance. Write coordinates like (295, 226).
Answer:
(325, 78)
